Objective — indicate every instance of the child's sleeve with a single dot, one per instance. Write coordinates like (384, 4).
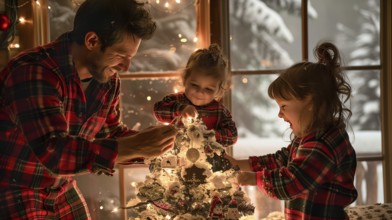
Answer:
(169, 108)
(226, 131)
(270, 161)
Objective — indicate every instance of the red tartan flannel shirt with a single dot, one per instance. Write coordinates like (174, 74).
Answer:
(314, 175)
(50, 128)
(215, 115)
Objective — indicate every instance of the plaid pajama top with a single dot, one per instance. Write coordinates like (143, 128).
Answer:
(314, 175)
(215, 115)
(50, 128)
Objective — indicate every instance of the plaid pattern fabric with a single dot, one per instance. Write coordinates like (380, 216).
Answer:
(215, 115)
(49, 127)
(314, 175)
(64, 202)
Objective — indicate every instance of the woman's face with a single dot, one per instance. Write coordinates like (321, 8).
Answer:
(201, 89)
(297, 113)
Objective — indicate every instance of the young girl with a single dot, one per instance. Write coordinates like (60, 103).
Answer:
(315, 173)
(205, 79)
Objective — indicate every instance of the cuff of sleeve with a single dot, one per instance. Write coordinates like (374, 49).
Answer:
(264, 183)
(105, 156)
(180, 107)
(254, 163)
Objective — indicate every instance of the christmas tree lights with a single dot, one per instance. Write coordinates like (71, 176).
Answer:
(182, 183)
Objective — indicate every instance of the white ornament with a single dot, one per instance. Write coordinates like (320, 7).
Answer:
(169, 161)
(192, 154)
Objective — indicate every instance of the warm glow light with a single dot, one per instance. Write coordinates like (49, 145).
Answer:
(244, 80)
(101, 207)
(166, 5)
(175, 90)
(178, 1)
(183, 40)
(37, 2)
(115, 209)
(148, 98)
(172, 49)
(14, 46)
(195, 39)
(49, 7)
(157, 1)
(179, 35)
(133, 184)
(168, 217)
(22, 20)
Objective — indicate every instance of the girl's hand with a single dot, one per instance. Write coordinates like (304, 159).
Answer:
(231, 159)
(189, 112)
(241, 164)
(246, 178)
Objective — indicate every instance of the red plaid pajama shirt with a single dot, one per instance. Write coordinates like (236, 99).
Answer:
(215, 116)
(50, 130)
(314, 175)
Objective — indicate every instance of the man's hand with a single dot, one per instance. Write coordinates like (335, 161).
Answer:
(150, 142)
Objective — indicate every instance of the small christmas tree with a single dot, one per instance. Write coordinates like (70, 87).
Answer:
(182, 183)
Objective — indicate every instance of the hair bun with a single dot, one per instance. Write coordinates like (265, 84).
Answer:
(327, 54)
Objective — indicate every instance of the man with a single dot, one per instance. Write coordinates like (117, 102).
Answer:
(59, 112)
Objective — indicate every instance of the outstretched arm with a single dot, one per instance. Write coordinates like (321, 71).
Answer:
(226, 130)
(150, 142)
(169, 107)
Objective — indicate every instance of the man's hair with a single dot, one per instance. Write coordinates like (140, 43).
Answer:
(111, 19)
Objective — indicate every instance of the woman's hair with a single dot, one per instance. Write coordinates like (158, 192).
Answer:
(111, 19)
(323, 81)
(210, 62)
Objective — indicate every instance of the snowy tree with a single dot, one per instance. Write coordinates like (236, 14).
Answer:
(365, 103)
(258, 31)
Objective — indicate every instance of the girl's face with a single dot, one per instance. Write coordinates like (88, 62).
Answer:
(297, 113)
(201, 89)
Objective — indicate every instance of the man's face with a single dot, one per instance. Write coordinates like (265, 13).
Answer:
(102, 65)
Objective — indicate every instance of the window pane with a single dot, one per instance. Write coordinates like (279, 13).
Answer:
(61, 16)
(102, 195)
(138, 98)
(258, 122)
(365, 106)
(174, 39)
(369, 183)
(354, 25)
(265, 34)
